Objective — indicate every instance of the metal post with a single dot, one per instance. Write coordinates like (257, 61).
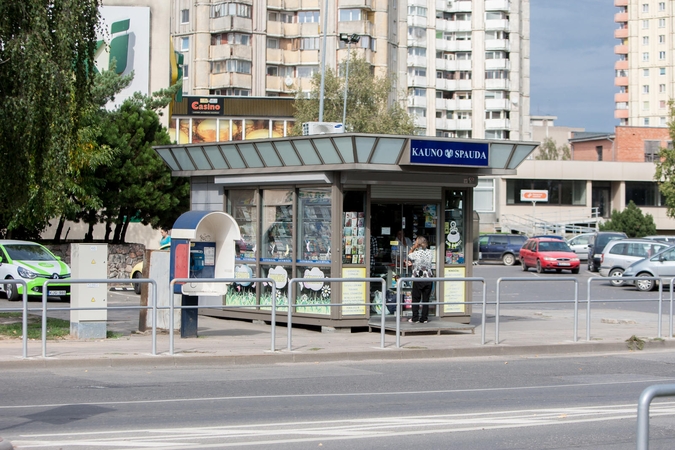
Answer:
(499, 282)
(660, 314)
(482, 321)
(398, 313)
(154, 317)
(323, 63)
(670, 318)
(383, 314)
(588, 308)
(44, 319)
(646, 397)
(289, 321)
(24, 324)
(576, 314)
(274, 317)
(344, 106)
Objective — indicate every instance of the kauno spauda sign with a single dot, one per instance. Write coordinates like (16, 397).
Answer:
(448, 153)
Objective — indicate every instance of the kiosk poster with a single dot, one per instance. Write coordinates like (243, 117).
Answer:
(454, 291)
(354, 294)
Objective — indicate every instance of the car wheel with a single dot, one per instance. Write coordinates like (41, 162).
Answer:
(539, 268)
(575, 271)
(615, 275)
(645, 285)
(137, 286)
(508, 259)
(523, 266)
(11, 291)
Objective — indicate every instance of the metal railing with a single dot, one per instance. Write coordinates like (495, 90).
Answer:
(24, 309)
(291, 291)
(646, 397)
(498, 301)
(173, 307)
(95, 308)
(660, 300)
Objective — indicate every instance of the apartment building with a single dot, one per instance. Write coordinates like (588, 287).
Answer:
(464, 64)
(645, 70)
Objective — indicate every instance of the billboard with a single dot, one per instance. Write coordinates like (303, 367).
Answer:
(449, 153)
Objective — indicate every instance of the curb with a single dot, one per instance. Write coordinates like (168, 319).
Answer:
(285, 357)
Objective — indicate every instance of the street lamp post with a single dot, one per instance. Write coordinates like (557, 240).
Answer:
(349, 39)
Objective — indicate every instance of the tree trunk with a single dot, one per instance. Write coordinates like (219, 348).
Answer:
(108, 230)
(59, 230)
(89, 237)
(123, 235)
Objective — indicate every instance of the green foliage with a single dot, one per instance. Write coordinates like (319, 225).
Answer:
(47, 48)
(549, 151)
(665, 168)
(631, 221)
(369, 109)
(11, 325)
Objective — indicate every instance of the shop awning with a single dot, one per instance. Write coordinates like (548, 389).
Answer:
(351, 151)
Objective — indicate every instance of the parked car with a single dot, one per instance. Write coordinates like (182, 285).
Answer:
(661, 238)
(33, 263)
(548, 254)
(621, 253)
(579, 245)
(660, 265)
(550, 236)
(137, 270)
(597, 244)
(504, 247)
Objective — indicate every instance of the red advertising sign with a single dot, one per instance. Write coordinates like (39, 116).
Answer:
(532, 195)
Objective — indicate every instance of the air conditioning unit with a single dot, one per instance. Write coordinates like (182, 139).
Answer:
(313, 128)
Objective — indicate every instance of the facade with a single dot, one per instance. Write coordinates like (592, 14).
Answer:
(645, 69)
(464, 64)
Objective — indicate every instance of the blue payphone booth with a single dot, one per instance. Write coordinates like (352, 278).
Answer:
(203, 245)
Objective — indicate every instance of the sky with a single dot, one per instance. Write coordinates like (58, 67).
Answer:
(572, 62)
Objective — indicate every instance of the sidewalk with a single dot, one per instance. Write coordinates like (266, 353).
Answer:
(234, 342)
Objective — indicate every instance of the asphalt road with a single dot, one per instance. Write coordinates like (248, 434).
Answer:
(580, 402)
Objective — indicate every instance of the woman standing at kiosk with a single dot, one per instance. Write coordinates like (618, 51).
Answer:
(421, 259)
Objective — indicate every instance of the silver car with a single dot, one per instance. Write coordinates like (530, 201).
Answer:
(660, 265)
(579, 245)
(621, 253)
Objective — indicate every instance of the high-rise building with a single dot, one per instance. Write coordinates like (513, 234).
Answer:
(645, 70)
(464, 64)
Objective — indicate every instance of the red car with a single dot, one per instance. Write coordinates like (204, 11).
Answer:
(548, 254)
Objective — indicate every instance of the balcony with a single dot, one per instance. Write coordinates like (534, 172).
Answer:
(618, 3)
(459, 6)
(621, 17)
(453, 25)
(621, 33)
(274, 56)
(417, 21)
(226, 51)
(497, 44)
(621, 65)
(360, 27)
(416, 61)
(463, 124)
(621, 81)
(240, 80)
(300, 4)
(417, 81)
(228, 23)
(300, 57)
(497, 104)
(453, 64)
(620, 97)
(496, 64)
(621, 49)
(361, 4)
(497, 124)
(453, 85)
(453, 104)
(498, 25)
(501, 85)
(415, 101)
(453, 46)
(274, 28)
(621, 114)
(497, 5)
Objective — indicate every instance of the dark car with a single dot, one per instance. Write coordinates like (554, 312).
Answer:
(500, 247)
(596, 245)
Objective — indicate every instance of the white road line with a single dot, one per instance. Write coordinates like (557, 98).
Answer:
(297, 432)
(336, 395)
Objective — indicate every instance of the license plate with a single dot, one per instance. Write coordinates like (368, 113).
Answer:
(57, 292)
(563, 264)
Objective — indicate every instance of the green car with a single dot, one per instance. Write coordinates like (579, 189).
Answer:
(33, 263)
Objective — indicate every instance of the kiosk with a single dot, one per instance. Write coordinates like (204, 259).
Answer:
(342, 205)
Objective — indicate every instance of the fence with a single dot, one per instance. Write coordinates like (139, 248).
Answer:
(646, 397)
(291, 305)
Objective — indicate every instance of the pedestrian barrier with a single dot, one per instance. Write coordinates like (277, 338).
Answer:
(173, 307)
(646, 397)
(660, 300)
(96, 281)
(291, 291)
(441, 279)
(498, 301)
(24, 309)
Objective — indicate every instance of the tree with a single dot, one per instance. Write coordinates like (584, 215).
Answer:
(631, 221)
(665, 167)
(549, 151)
(368, 107)
(46, 56)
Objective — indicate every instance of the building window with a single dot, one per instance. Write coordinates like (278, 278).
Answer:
(560, 192)
(417, 51)
(662, 23)
(186, 70)
(184, 16)
(663, 122)
(418, 92)
(272, 43)
(417, 71)
(306, 43)
(416, 32)
(662, 88)
(662, 6)
(350, 15)
(273, 16)
(231, 9)
(464, 115)
(645, 121)
(645, 56)
(598, 150)
(484, 195)
(417, 11)
(645, 24)
(645, 89)
(418, 112)
(645, 40)
(308, 16)
(651, 150)
(496, 15)
(645, 107)
(645, 72)
(662, 71)
(645, 7)
(231, 65)
(644, 193)
(231, 38)
(307, 71)
(494, 55)
(496, 74)
(184, 44)
(662, 56)
(662, 38)
(273, 71)
(662, 104)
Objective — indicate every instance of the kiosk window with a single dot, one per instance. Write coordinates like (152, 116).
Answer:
(277, 240)
(242, 205)
(315, 226)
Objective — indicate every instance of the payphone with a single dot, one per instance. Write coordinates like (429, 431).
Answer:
(203, 245)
